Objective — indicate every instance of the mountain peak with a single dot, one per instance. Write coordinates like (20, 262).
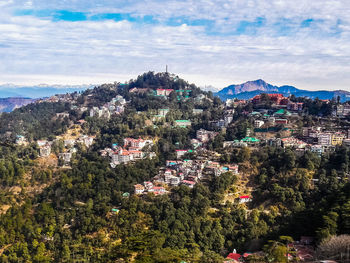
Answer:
(249, 86)
(249, 89)
(258, 81)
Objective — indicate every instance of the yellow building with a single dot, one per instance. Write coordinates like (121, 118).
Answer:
(337, 138)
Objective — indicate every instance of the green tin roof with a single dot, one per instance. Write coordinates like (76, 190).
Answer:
(250, 139)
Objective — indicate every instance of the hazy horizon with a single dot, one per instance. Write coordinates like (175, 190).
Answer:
(206, 86)
(305, 44)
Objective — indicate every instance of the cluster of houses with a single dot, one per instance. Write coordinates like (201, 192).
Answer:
(278, 101)
(132, 150)
(115, 106)
(265, 118)
(341, 110)
(181, 94)
(46, 146)
(161, 114)
(184, 172)
(69, 145)
(282, 112)
(302, 250)
(321, 140)
(68, 97)
(313, 139)
(149, 187)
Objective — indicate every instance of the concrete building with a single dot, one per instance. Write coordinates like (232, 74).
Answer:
(258, 123)
(337, 139)
(324, 138)
(204, 135)
(45, 151)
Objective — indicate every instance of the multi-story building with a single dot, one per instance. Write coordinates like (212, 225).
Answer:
(45, 151)
(293, 142)
(139, 189)
(66, 157)
(182, 123)
(343, 110)
(295, 106)
(86, 140)
(277, 99)
(258, 123)
(136, 144)
(324, 138)
(180, 153)
(163, 112)
(228, 119)
(163, 92)
(337, 138)
(204, 135)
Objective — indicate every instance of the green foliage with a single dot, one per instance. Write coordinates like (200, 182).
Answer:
(72, 219)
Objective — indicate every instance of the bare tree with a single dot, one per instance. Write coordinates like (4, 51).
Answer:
(335, 247)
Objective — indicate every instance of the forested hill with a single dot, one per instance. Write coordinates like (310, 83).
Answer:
(192, 189)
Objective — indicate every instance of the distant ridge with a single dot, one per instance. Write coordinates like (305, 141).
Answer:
(250, 89)
(15, 96)
(39, 91)
(9, 104)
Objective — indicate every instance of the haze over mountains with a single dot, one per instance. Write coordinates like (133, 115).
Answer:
(250, 89)
(15, 96)
(38, 91)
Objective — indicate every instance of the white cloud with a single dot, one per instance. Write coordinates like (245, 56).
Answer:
(37, 49)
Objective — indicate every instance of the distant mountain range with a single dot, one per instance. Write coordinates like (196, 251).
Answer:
(250, 89)
(9, 104)
(39, 91)
(14, 96)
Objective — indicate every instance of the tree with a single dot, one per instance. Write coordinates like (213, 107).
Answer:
(329, 226)
(334, 247)
(276, 252)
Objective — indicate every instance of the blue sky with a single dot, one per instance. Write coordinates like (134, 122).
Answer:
(305, 43)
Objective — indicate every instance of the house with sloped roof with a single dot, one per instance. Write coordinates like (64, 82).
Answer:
(183, 123)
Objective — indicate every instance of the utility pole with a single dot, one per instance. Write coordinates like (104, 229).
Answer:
(166, 68)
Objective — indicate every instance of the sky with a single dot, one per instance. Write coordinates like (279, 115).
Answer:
(304, 43)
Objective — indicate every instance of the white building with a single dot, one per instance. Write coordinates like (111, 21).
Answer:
(139, 189)
(204, 135)
(86, 140)
(258, 123)
(21, 140)
(45, 151)
(180, 153)
(69, 143)
(66, 157)
(136, 144)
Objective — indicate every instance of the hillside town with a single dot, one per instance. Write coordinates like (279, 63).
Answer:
(200, 156)
(175, 131)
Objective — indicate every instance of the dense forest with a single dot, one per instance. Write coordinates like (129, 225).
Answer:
(72, 218)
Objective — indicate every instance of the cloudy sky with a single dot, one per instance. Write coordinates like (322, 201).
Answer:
(305, 43)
